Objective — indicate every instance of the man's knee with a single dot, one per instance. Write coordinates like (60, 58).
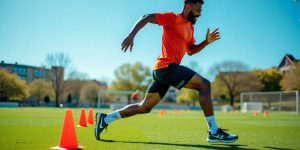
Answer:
(206, 84)
(205, 91)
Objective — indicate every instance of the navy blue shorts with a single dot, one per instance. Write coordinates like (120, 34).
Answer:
(174, 75)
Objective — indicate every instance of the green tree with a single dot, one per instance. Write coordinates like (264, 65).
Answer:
(40, 88)
(69, 98)
(89, 92)
(188, 96)
(270, 79)
(11, 87)
(291, 81)
(47, 99)
(131, 77)
(73, 87)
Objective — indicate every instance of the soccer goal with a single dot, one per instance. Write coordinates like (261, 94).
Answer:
(120, 94)
(270, 101)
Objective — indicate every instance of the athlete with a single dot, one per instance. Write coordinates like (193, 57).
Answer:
(177, 40)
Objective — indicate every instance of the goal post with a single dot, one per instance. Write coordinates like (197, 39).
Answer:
(101, 92)
(270, 101)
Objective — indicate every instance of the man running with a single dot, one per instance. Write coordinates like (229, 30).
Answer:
(177, 40)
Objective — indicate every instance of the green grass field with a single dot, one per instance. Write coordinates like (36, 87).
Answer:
(40, 128)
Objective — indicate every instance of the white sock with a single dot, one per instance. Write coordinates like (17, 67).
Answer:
(112, 117)
(212, 124)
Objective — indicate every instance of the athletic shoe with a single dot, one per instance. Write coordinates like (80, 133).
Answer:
(221, 136)
(100, 124)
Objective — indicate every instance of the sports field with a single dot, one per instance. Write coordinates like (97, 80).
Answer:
(40, 128)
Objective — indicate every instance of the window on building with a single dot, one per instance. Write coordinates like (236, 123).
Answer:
(22, 77)
(286, 62)
(37, 73)
(20, 70)
(43, 74)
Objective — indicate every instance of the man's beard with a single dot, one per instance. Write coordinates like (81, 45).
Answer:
(191, 18)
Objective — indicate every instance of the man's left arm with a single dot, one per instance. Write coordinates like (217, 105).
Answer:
(210, 38)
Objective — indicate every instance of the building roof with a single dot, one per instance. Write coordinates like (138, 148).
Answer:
(21, 65)
(288, 59)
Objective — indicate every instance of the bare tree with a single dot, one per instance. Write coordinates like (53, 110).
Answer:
(58, 59)
(59, 62)
(235, 77)
(74, 74)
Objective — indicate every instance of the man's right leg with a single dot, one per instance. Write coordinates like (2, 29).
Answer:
(102, 120)
(215, 133)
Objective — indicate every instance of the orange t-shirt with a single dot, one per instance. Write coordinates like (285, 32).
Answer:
(177, 36)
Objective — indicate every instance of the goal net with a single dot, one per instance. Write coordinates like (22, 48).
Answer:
(270, 101)
(120, 98)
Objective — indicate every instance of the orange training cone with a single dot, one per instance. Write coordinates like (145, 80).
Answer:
(90, 118)
(82, 121)
(175, 111)
(266, 114)
(254, 114)
(162, 112)
(68, 139)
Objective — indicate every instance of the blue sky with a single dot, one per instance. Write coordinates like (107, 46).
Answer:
(256, 32)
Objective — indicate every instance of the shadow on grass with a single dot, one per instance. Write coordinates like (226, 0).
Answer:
(276, 148)
(213, 146)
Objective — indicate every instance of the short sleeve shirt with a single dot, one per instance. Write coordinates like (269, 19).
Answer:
(177, 37)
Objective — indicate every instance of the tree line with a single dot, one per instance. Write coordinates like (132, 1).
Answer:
(231, 78)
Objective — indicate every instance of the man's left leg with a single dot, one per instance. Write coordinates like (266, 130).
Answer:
(102, 120)
(155, 93)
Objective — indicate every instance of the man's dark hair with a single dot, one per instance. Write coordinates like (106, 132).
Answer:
(194, 1)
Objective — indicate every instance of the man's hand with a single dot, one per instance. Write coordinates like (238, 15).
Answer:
(127, 43)
(211, 37)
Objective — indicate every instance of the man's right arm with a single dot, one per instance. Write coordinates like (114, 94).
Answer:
(128, 41)
(142, 22)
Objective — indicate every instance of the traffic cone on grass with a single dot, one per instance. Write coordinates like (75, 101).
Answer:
(162, 112)
(254, 114)
(82, 121)
(175, 111)
(68, 139)
(266, 114)
(90, 117)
